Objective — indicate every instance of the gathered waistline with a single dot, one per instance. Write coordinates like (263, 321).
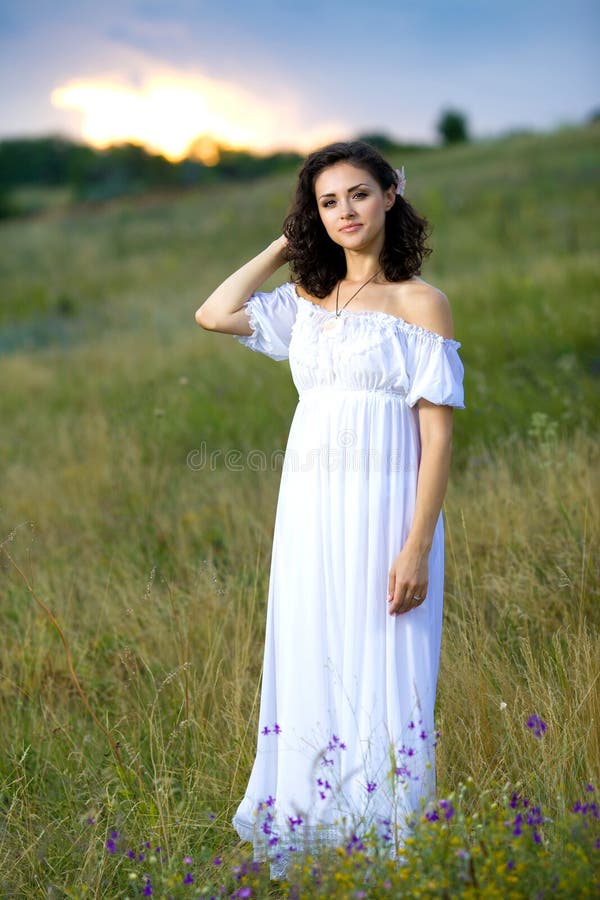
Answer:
(335, 390)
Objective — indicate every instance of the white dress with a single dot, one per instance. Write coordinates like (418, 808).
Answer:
(346, 726)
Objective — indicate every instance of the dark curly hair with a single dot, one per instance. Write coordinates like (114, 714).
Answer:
(316, 262)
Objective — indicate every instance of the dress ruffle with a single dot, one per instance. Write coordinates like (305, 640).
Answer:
(272, 315)
(435, 370)
(423, 363)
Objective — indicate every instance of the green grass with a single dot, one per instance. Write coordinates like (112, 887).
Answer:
(157, 573)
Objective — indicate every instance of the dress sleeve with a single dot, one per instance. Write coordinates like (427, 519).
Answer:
(272, 315)
(435, 369)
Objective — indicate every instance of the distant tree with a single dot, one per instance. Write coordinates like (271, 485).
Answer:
(452, 127)
(594, 116)
(34, 160)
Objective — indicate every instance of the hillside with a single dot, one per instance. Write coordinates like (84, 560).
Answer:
(156, 567)
(515, 241)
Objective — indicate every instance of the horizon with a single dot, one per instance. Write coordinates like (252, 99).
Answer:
(408, 146)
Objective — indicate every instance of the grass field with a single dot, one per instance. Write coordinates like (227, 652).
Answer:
(157, 572)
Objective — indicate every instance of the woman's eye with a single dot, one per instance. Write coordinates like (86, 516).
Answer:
(357, 194)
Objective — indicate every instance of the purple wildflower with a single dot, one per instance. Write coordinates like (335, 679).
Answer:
(187, 860)
(111, 846)
(217, 861)
(371, 786)
(114, 835)
(585, 808)
(189, 878)
(147, 892)
(518, 825)
(266, 730)
(244, 892)
(510, 864)
(92, 821)
(448, 809)
(432, 816)
(276, 728)
(534, 816)
(355, 845)
(324, 786)
(293, 822)
(131, 854)
(537, 724)
(589, 788)
(423, 735)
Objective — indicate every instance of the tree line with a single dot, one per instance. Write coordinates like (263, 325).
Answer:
(93, 174)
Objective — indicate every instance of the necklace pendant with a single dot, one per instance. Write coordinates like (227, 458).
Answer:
(333, 325)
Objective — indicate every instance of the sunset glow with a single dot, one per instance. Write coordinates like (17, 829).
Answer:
(167, 113)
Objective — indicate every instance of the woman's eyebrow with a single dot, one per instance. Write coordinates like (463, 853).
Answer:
(362, 184)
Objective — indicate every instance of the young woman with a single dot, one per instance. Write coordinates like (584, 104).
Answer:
(354, 615)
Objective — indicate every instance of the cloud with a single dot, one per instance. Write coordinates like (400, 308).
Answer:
(166, 110)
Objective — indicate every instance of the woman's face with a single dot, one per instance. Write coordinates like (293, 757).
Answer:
(352, 205)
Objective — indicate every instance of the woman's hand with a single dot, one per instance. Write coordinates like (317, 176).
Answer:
(280, 244)
(409, 576)
(222, 310)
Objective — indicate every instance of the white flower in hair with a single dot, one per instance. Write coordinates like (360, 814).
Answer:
(401, 186)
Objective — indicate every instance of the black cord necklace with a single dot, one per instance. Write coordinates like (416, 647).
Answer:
(338, 312)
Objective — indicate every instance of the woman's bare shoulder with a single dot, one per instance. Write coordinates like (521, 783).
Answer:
(424, 304)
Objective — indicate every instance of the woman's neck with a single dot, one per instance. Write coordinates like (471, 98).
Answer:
(360, 266)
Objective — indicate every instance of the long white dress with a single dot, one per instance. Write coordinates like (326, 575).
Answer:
(346, 726)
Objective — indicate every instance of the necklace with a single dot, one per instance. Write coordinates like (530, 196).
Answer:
(333, 325)
(337, 296)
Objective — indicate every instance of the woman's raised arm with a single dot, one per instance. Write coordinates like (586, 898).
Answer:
(222, 310)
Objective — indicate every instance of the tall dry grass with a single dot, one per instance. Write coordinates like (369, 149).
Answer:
(172, 666)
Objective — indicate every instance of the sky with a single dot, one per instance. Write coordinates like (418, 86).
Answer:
(274, 74)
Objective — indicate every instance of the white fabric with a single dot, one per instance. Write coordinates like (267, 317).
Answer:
(338, 669)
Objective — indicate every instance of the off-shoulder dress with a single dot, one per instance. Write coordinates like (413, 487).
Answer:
(346, 725)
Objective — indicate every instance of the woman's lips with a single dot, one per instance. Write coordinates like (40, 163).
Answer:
(351, 227)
